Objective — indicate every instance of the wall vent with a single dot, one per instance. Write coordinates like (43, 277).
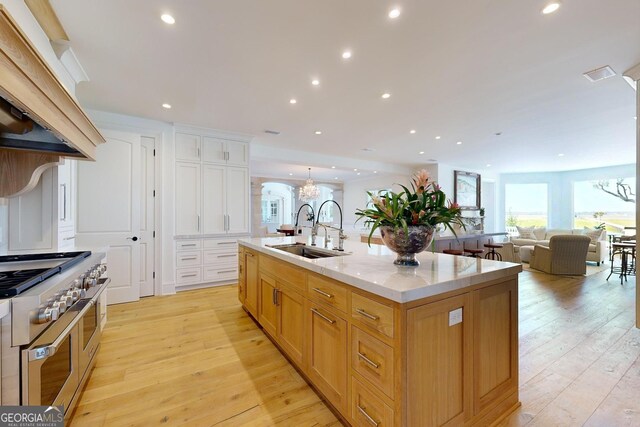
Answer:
(599, 74)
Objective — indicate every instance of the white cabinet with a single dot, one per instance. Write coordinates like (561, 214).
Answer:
(187, 198)
(206, 261)
(221, 151)
(214, 204)
(237, 199)
(187, 147)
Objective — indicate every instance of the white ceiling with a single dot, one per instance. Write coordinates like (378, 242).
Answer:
(463, 70)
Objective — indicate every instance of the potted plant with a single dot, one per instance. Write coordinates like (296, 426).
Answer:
(407, 220)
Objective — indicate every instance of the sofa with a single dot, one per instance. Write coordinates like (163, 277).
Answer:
(530, 236)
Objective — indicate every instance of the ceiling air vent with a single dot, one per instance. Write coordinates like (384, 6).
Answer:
(599, 74)
(272, 132)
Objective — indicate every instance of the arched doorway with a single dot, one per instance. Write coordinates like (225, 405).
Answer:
(277, 204)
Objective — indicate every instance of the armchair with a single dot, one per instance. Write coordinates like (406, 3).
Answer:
(566, 254)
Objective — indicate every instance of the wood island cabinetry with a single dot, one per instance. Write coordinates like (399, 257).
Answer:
(449, 359)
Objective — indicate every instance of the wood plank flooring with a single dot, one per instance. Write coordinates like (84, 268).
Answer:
(197, 359)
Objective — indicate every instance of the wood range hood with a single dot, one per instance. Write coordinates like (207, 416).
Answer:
(40, 122)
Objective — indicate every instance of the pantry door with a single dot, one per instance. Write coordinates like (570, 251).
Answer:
(110, 195)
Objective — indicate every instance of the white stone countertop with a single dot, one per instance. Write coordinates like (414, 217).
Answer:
(372, 269)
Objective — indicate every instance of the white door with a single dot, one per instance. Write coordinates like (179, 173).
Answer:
(237, 195)
(187, 198)
(147, 216)
(213, 206)
(108, 214)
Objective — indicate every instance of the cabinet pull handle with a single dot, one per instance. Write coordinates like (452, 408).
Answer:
(323, 316)
(323, 293)
(198, 222)
(198, 152)
(188, 275)
(64, 201)
(188, 258)
(226, 243)
(184, 245)
(367, 360)
(70, 238)
(249, 254)
(226, 256)
(227, 271)
(367, 315)
(367, 416)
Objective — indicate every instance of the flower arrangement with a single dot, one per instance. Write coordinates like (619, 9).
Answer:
(424, 205)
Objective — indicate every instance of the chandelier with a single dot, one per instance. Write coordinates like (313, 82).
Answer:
(309, 191)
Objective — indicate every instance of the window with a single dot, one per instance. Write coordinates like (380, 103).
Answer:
(526, 205)
(609, 202)
(274, 211)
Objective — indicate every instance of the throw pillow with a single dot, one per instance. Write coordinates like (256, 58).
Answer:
(526, 232)
(594, 235)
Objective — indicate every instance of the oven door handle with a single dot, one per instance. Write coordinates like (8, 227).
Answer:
(47, 351)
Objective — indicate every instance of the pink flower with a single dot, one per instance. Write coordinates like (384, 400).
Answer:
(421, 180)
(453, 205)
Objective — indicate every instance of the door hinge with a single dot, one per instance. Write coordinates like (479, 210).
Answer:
(154, 152)
(154, 234)
(154, 193)
(154, 274)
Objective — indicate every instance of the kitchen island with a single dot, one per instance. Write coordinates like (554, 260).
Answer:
(387, 345)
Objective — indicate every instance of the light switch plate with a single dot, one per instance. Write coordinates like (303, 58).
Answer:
(455, 316)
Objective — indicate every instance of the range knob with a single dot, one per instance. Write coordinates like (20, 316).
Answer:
(74, 294)
(60, 306)
(65, 302)
(46, 315)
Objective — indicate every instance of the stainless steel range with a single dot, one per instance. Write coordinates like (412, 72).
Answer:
(52, 334)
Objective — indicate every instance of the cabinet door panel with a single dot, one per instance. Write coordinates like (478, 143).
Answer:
(187, 147)
(237, 186)
(268, 313)
(251, 282)
(238, 153)
(213, 206)
(439, 365)
(291, 324)
(187, 198)
(213, 150)
(242, 278)
(327, 354)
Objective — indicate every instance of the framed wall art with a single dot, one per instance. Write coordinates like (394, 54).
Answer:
(466, 191)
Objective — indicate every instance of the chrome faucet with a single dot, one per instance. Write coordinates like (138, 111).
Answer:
(341, 235)
(326, 234)
(309, 217)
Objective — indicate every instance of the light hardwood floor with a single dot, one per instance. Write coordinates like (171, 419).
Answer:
(197, 359)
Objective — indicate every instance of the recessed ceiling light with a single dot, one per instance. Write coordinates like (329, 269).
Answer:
(167, 106)
(358, 173)
(315, 82)
(333, 167)
(635, 118)
(561, 155)
(551, 7)
(421, 152)
(386, 95)
(346, 54)
(438, 137)
(488, 165)
(335, 177)
(293, 101)
(318, 132)
(290, 174)
(375, 171)
(355, 170)
(168, 19)
(394, 13)
(412, 131)
(459, 142)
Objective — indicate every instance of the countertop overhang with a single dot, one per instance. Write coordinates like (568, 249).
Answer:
(371, 269)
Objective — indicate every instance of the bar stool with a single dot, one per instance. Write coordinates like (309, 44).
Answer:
(452, 252)
(627, 252)
(492, 254)
(474, 253)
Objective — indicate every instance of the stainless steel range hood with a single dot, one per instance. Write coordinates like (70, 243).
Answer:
(40, 122)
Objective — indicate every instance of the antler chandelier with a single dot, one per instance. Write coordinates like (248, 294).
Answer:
(309, 191)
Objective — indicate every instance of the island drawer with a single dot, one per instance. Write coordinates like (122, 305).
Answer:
(373, 359)
(366, 409)
(326, 291)
(285, 272)
(188, 259)
(374, 315)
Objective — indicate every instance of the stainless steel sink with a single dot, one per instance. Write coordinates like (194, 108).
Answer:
(305, 251)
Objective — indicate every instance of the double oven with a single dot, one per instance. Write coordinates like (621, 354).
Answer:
(56, 364)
